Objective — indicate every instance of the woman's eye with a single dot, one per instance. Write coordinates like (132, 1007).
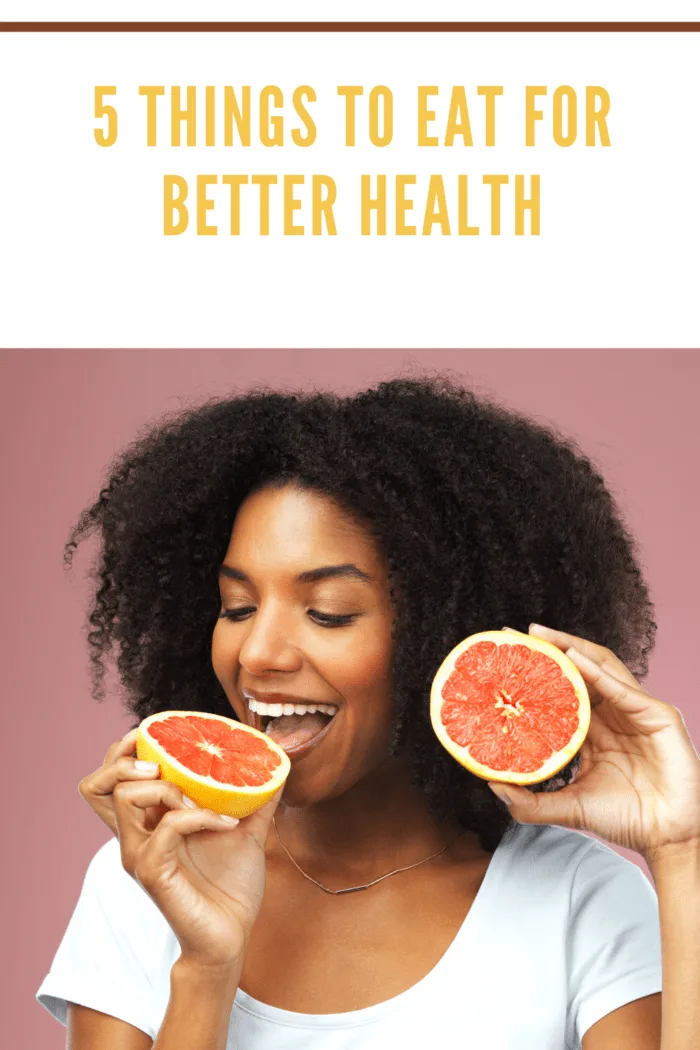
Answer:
(323, 619)
(236, 614)
(330, 620)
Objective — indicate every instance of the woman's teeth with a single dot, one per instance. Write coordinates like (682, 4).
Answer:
(277, 710)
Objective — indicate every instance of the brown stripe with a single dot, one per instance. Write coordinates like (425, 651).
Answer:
(350, 27)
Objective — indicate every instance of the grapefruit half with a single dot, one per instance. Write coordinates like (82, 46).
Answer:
(218, 762)
(510, 707)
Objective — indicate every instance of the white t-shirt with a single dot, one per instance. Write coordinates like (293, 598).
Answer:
(563, 931)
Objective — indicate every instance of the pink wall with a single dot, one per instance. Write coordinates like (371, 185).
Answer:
(65, 413)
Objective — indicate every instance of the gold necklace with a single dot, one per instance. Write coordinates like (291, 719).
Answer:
(354, 889)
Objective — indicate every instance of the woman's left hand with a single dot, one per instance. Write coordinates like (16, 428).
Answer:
(639, 782)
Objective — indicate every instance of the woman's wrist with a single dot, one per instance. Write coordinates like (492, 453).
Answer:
(219, 978)
(673, 858)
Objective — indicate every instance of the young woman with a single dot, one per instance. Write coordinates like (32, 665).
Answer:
(318, 550)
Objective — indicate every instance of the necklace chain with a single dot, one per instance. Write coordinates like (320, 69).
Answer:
(354, 889)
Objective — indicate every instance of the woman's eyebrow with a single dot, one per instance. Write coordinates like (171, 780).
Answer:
(325, 572)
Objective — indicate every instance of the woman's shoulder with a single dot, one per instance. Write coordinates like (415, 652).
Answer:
(117, 950)
(567, 887)
(541, 842)
(110, 887)
(106, 868)
(567, 858)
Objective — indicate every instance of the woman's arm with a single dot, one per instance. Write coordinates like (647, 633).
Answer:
(642, 1025)
(199, 1010)
(634, 1026)
(89, 1029)
(676, 874)
(639, 787)
(197, 1017)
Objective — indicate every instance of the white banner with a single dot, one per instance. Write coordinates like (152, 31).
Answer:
(218, 190)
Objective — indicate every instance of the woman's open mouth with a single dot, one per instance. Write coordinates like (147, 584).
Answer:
(297, 726)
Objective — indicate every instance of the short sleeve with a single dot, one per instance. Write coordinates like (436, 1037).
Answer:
(105, 959)
(614, 939)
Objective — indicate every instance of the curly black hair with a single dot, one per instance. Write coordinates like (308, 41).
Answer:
(487, 518)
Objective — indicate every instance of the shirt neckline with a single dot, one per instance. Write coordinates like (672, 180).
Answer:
(369, 1014)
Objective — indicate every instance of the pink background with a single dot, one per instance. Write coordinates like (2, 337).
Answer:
(64, 414)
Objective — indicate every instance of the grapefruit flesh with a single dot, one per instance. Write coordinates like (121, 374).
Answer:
(510, 707)
(218, 762)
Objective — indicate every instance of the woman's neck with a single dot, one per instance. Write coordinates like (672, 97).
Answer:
(381, 823)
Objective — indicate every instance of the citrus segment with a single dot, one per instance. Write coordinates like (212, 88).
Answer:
(219, 763)
(510, 707)
(229, 756)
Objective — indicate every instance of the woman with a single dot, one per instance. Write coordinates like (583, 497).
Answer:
(325, 550)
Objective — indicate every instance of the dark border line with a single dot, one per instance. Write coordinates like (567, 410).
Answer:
(350, 27)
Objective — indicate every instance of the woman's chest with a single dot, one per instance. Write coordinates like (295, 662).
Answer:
(315, 953)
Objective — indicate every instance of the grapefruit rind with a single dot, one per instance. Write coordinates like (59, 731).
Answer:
(558, 758)
(229, 799)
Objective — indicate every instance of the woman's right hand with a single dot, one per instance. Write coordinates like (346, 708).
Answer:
(120, 764)
(205, 874)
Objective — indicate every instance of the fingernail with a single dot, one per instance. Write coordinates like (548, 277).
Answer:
(188, 802)
(128, 733)
(541, 627)
(229, 820)
(146, 767)
(575, 654)
(511, 630)
(502, 794)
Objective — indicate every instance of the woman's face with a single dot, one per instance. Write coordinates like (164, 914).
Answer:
(306, 619)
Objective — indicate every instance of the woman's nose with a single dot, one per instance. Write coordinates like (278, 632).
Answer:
(268, 646)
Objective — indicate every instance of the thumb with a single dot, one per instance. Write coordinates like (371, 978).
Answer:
(546, 807)
(258, 823)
